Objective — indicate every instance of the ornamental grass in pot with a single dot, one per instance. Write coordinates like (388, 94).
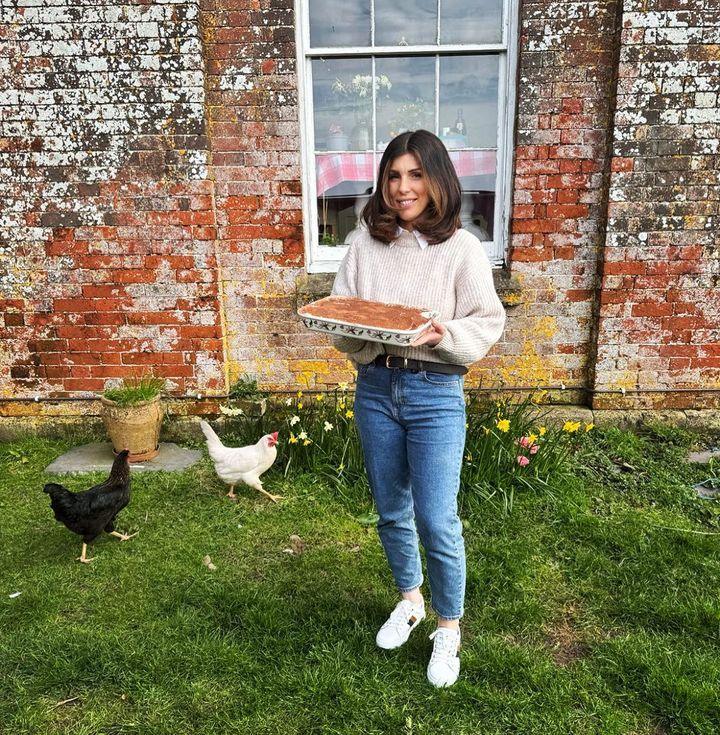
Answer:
(132, 413)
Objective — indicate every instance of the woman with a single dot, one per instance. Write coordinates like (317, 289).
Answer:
(409, 402)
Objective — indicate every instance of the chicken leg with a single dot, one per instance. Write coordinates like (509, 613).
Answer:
(231, 494)
(122, 536)
(257, 485)
(83, 558)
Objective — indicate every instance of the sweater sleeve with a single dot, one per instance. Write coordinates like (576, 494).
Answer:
(479, 314)
(346, 285)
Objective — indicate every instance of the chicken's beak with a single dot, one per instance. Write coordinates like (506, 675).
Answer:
(274, 436)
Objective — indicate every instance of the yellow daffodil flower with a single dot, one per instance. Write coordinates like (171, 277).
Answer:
(319, 397)
(306, 442)
(571, 426)
(542, 431)
(292, 439)
(349, 414)
(503, 425)
(589, 427)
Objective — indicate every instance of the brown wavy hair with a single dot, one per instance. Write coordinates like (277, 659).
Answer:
(442, 215)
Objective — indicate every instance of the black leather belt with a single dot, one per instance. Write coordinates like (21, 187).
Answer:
(395, 362)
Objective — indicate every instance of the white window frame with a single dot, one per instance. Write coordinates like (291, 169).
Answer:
(325, 259)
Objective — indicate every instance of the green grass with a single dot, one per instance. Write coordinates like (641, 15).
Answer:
(591, 608)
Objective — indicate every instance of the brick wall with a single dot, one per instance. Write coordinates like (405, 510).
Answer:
(255, 161)
(568, 59)
(107, 262)
(660, 316)
(151, 212)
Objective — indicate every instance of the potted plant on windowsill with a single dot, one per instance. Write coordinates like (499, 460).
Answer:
(132, 414)
(245, 395)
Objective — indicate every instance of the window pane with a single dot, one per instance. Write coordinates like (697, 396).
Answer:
(478, 22)
(469, 101)
(347, 26)
(477, 173)
(405, 24)
(342, 99)
(344, 184)
(408, 103)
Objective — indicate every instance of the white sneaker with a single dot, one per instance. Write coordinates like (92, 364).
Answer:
(444, 667)
(402, 621)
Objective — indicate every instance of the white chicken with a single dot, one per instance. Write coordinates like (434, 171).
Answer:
(242, 464)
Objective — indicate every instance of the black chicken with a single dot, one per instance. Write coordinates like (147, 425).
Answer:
(90, 513)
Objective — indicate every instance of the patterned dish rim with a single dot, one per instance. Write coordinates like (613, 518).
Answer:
(427, 313)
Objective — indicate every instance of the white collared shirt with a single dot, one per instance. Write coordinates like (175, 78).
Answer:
(422, 242)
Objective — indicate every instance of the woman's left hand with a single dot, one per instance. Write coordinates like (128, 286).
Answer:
(431, 336)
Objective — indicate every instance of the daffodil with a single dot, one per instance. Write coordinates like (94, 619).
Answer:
(589, 427)
(294, 420)
(328, 426)
(571, 426)
(503, 425)
(486, 430)
(319, 397)
(288, 401)
(341, 467)
(343, 386)
(300, 406)
(349, 414)
(302, 435)
(532, 438)
(292, 439)
(542, 431)
(299, 394)
(228, 411)
(306, 442)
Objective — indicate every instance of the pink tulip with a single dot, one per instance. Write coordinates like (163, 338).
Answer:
(523, 461)
(534, 448)
(524, 441)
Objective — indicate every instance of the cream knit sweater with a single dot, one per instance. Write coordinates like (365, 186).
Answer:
(453, 277)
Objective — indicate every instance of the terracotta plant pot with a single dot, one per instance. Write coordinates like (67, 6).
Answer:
(135, 427)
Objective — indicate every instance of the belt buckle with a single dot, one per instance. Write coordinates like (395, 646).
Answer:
(387, 362)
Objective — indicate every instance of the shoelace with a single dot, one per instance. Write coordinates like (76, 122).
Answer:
(445, 645)
(400, 617)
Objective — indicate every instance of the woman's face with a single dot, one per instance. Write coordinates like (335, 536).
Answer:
(407, 188)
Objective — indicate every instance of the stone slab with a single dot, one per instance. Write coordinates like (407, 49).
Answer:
(98, 457)
(704, 457)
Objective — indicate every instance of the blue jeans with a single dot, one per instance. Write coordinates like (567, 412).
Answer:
(412, 429)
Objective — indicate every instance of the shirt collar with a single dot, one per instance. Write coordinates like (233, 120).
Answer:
(421, 240)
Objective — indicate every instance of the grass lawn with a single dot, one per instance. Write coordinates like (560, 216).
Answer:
(591, 608)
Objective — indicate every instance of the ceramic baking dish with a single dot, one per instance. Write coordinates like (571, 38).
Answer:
(340, 328)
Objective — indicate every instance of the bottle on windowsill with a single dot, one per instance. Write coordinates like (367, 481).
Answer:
(460, 127)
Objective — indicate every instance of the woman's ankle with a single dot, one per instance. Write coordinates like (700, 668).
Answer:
(452, 624)
(414, 596)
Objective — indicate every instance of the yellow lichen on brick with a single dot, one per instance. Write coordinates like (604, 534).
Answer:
(512, 299)
(307, 371)
(530, 368)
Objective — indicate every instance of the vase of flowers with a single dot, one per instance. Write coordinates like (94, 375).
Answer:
(357, 93)
(337, 140)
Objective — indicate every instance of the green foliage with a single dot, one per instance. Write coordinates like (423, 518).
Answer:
(318, 435)
(135, 390)
(246, 387)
